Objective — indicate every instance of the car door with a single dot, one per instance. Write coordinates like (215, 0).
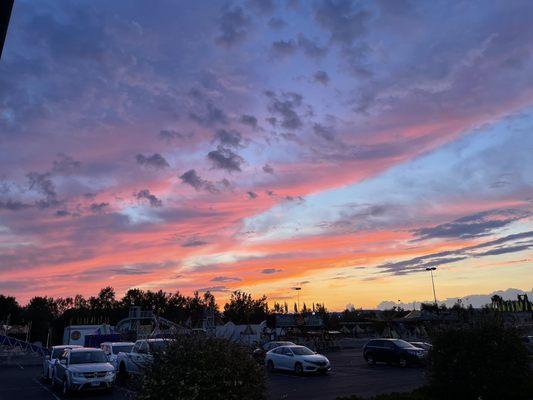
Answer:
(277, 357)
(287, 358)
(61, 366)
(390, 353)
(374, 348)
(135, 357)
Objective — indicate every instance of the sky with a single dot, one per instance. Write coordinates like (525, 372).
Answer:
(337, 146)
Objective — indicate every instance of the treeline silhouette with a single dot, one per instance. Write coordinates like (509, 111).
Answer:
(49, 316)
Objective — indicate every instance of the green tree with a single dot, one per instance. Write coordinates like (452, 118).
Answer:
(484, 361)
(197, 368)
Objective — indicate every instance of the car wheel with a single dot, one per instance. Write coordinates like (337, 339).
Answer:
(403, 362)
(122, 373)
(298, 368)
(370, 359)
(270, 366)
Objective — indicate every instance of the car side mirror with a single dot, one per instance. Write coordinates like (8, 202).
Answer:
(63, 361)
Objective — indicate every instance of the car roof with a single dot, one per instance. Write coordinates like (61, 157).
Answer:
(155, 340)
(84, 349)
(66, 346)
(116, 343)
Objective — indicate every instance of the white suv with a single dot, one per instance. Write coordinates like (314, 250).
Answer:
(83, 368)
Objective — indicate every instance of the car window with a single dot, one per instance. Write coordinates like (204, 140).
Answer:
(403, 344)
(302, 351)
(124, 348)
(57, 352)
(389, 345)
(286, 351)
(374, 343)
(143, 348)
(277, 350)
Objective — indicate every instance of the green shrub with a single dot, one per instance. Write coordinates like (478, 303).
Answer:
(417, 394)
(199, 368)
(486, 361)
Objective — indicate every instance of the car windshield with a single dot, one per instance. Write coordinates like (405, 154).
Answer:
(87, 357)
(302, 351)
(124, 348)
(404, 345)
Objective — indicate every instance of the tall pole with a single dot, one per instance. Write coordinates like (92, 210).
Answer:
(297, 288)
(431, 269)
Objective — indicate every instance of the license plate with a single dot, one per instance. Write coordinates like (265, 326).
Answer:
(95, 383)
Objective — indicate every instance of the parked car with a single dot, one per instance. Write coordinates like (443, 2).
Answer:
(295, 358)
(393, 351)
(83, 368)
(49, 361)
(422, 345)
(111, 349)
(141, 354)
(260, 352)
(528, 342)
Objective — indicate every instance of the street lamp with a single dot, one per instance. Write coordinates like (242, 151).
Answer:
(297, 288)
(431, 269)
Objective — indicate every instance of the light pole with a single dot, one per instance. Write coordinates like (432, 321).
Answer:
(298, 288)
(431, 269)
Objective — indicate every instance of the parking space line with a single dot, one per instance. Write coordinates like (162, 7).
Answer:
(48, 390)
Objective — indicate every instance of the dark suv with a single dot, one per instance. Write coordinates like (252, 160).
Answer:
(393, 351)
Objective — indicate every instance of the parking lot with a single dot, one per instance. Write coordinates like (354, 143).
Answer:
(350, 375)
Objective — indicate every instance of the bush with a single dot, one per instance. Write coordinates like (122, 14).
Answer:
(486, 361)
(417, 394)
(198, 368)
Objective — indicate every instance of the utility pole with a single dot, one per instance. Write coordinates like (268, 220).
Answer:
(431, 269)
(5, 13)
(297, 288)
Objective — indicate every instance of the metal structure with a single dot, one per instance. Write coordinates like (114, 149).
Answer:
(22, 345)
(158, 325)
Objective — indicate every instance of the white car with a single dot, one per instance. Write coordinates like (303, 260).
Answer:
(111, 349)
(81, 369)
(49, 361)
(299, 359)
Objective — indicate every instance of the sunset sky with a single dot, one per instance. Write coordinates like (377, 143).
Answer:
(259, 145)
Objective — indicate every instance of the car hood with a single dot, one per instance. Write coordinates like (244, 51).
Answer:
(314, 358)
(99, 367)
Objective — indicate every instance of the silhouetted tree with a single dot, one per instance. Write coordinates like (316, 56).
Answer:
(242, 308)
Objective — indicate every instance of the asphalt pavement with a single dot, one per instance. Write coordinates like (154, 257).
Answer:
(349, 375)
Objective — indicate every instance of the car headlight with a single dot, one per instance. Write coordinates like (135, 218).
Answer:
(110, 373)
(77, 374)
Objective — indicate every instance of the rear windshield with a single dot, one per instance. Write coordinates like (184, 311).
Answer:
(124, 348)
(87, 357)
